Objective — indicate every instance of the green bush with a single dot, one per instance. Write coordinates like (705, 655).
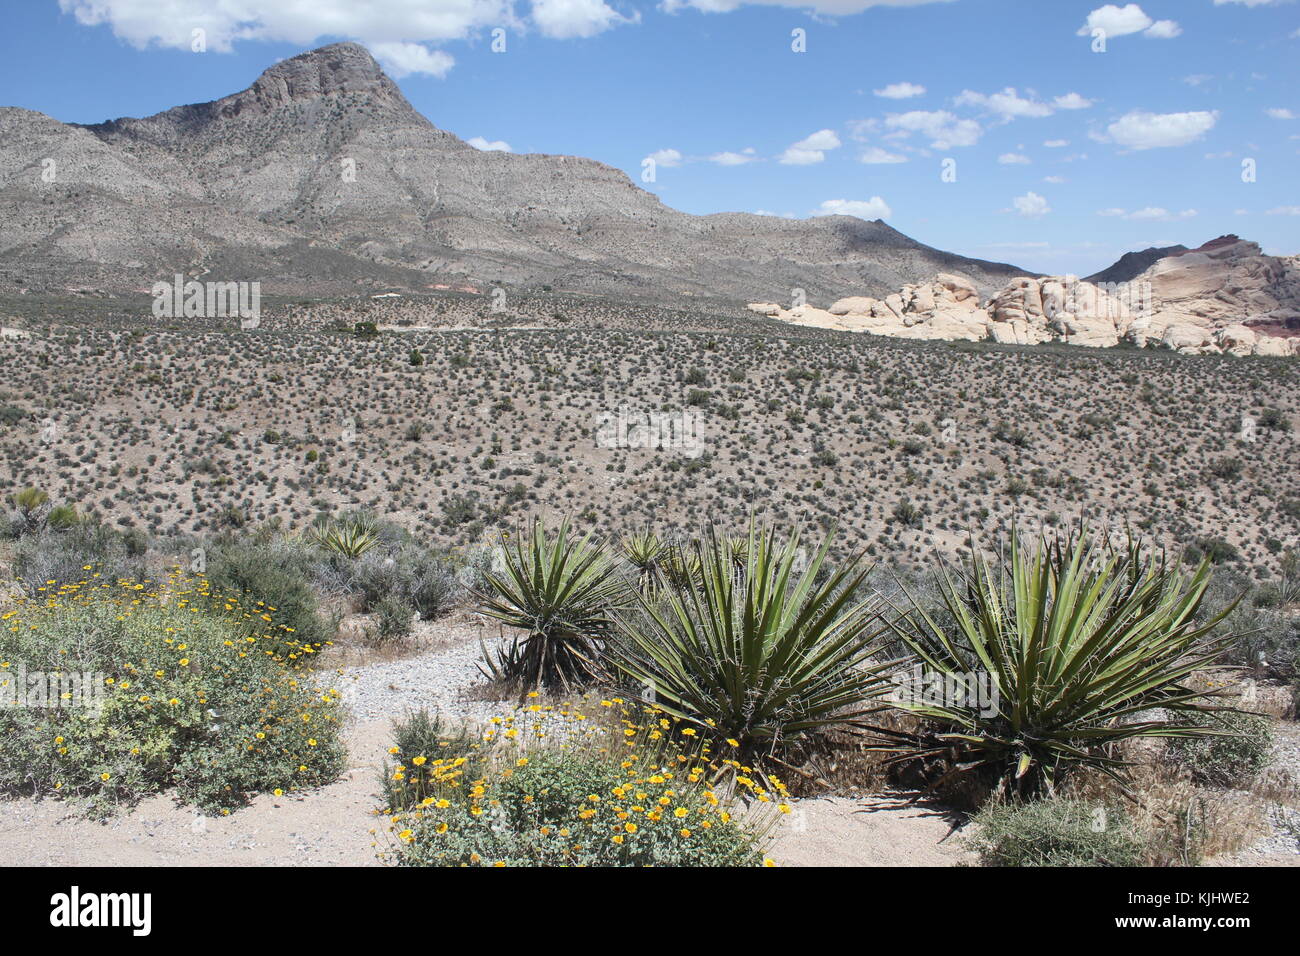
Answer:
(274, 576)
(393, 619)
(1058, 832)
(1239, 750)
(554, 788)
(184, 699)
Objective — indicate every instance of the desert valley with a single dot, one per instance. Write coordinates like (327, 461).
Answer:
(416, 503)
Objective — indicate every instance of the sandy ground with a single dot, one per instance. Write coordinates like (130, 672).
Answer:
(332, 826)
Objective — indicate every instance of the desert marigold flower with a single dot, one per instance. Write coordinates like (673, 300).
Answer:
(406, 835)
(784, 807)
(680, 812)
(278, 792)
(419, 761)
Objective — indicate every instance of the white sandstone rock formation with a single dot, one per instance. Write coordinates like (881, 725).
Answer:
(1225, 297)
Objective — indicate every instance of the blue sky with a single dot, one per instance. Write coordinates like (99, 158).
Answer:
(1065, 157)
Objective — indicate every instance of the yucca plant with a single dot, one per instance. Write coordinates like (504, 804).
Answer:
(1084, 645)
(348, 539)
(644, 551)
(561, 592)
(680, 566)
(757, 662)
(33, 507)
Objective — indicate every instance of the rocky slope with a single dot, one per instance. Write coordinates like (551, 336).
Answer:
(1132, 264)
(1224, 297)
(322, 178)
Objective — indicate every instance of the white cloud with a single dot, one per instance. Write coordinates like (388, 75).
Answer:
(492, 146)
(394, 30)
(900, 91)
(1142, 130)
(826, 7)
(1072, 101)
(1280, 113)
(1014, 159)
(1031, 205)
(565, 19)
(943, 129)
(1284, 211)
(1054, 180)
(1116, 21)
(873, 208)
(733, 159)
(1164, 30)
(1196, 79)
(403, 59)
(1148, 214)
(169, 23)
(875, 156)
(666, 157)
(811, 149)
(1008, 104)
(1056, 143)
(1251, 3)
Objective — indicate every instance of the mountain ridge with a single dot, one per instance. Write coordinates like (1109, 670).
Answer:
(256, 184)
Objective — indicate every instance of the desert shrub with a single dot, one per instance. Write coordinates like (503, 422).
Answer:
(1057, 832)
(393, 619)
(560, 591)
(551, 787)
(274, 576)
(1239, 750)
(68, 557)
(757, 657)
(425, 735)
(166, 698)
(1080, 642)
(424, 579)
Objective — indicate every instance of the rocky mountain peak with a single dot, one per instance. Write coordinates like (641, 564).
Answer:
(327, 71)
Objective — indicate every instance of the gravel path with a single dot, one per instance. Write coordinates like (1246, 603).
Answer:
(442, 681)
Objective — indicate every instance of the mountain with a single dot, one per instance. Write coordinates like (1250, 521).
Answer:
(1132, 264)
(321, 178)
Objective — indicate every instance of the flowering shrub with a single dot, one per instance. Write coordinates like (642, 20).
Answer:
(178, 687)
(553, 786)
